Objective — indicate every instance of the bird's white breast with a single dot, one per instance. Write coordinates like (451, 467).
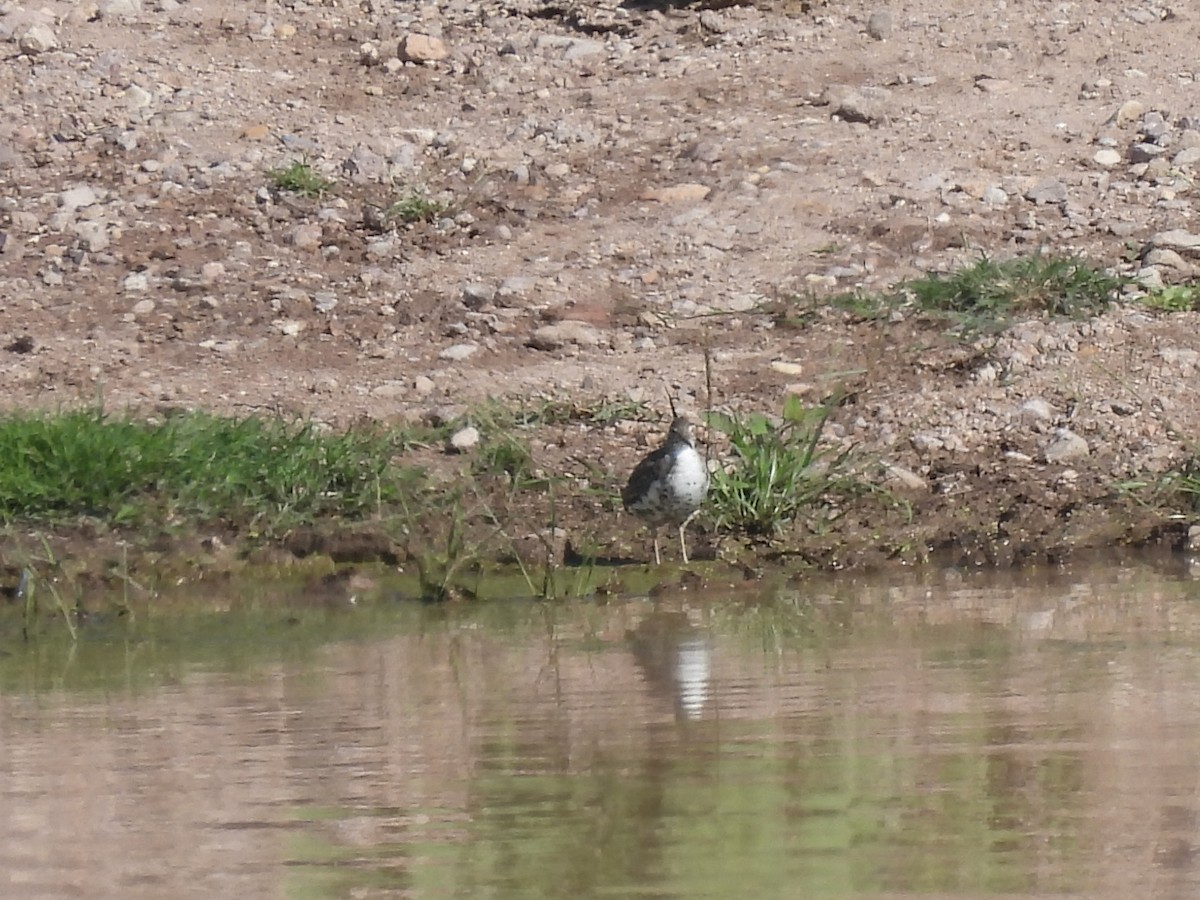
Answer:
(687, 482)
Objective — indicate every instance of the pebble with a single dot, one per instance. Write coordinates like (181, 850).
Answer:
(37, 39)
(421, 48)
(1036, 410)
(783, 367)
(135, 281)
(1128, 112)
(677, 193)
(905, 478)
(306, 236)
(879, 24)
(866, 105)
(93, 236)
(1047, 191)
(994, 196)
(1066, 446)
(1177, 239)
(464, 440)
(289, 327)
(582, 49)
(389, 390)
(458, 352)
(117, 9)
(1187, 157)
(559, 334)
(1107, 157)
(478, 294)
(77, 197)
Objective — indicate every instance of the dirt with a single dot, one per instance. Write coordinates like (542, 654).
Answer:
(621, 192)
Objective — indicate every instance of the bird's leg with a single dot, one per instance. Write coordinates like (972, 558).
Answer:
(657, 557)
(682, 542)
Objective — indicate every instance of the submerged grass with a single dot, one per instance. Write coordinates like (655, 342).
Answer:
(264, 475)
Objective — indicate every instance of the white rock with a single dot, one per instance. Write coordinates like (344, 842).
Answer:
(1036, 410)
(899, 476)
(553, 336)
(783, 367)
(1177, 239)
(458, 352)
(389, 390)
(77, 197)
(116, 9)
(135, 281)
(289, 327)
(422, 48)
(463, 440)
(93, 236)
(37, 39)
(1066, 446)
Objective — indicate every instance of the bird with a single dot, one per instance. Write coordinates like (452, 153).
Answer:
(669, 484)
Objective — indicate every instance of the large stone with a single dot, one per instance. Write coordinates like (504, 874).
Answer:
(554, 336)
(677, 193)
(1179, 240)
(37, 39)
(422, 48)
(1066, 446)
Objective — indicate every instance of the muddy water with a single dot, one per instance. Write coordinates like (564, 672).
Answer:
(1036, 736)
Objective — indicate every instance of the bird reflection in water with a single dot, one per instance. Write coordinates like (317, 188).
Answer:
(676, 661)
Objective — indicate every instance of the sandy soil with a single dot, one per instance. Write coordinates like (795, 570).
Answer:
(622, 190)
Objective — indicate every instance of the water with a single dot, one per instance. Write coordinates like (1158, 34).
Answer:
(955, 736)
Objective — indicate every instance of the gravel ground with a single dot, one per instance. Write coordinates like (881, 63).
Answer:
(613, 190)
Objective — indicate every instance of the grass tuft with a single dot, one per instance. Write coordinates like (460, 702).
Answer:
(779, 472)
(416, 207)
(984, 296)
(1175, 298)
(301, 178)
(994, 291)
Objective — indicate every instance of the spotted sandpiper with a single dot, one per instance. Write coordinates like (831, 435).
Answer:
(669, 484)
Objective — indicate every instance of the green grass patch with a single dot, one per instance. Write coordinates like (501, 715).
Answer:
(263, 475)
(416, 207)
(299, 177)
(992, 290)
(779, 472)
(1178, 488)
(984, 296)
(1175, 298)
